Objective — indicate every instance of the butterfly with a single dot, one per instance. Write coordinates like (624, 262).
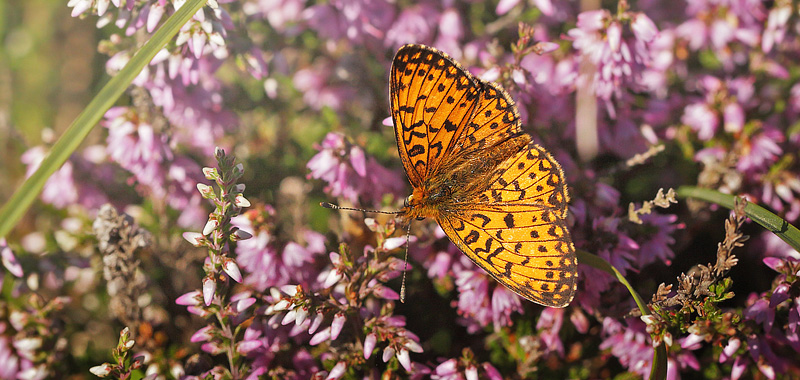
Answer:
(498, 196)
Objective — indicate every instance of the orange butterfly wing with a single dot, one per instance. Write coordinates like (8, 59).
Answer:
(517, 231)
(499, 198)
(432, 100)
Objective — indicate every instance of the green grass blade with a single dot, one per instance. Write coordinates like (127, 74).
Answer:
(775, 224)
(21, 200)
(659, 368)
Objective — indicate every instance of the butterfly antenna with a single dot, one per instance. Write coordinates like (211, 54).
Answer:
(405, 266)
(336, 207)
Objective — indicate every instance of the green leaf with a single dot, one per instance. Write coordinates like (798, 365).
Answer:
(21, 200)
(659, 368)
(789, 233)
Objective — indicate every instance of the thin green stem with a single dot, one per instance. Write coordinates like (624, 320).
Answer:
(659, 368)
(775, 224)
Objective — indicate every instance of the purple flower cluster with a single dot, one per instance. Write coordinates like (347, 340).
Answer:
(270, 262)
(618, 57)
(350, 174)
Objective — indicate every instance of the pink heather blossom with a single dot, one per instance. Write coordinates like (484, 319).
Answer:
(322, 336)
(762, 150)
(336, 325)
(318, 92)
(477, 304)
(189, 299)
(548, 327)
(361, 22)
(657, 247)
(733, 118)
(9, 260)
(758, 310)
(230, 267)
(414, 24)
(619, 60)
(337, 371)
(350, 174)
(369, 345)
(450, 32)
(703, 120)
(776, 27)
(61, 189)
(266, 263)
(718, 27)
(209, 287)
(281, 14)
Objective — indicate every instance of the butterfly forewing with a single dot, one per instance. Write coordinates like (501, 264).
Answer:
(432, 99)
(495, 119)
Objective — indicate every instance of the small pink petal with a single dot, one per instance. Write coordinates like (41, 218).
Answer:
(614, 34)
(9, 260)
(337, 371)
(643, 27)
(230, 267)
(388, 352)
(189, 299)
(369, 344)
(209, 287)
(195, 238)
(320, 337)
(336, 326)
(405, 359)
(202, 335)
(316, 322)
(246, 346)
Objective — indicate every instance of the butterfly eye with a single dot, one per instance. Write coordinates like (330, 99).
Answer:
(407, 201)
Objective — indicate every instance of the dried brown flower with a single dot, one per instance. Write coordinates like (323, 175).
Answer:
(118, 238)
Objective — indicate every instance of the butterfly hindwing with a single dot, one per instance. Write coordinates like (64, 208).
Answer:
(432, 100)
(525, 247)
(531, 176)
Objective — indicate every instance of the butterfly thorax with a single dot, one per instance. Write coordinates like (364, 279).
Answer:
(460, 181)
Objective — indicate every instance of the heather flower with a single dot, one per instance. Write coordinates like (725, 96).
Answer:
(760, 150)
(619, 60)
(775, 30)
(545, 6)
(350, 174)
(450, 32)
(657, 247)
(147, 154)
(319, 91)
(9, 260)
(718, 25)
(12, 363)
(630, 345)
(702, 119)
(361, 22)
(414, 24)
(758, 310)
(782, 193)
(481, 300)
(64, 187)
(282, 15)
(548, 326)
(269, 262)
